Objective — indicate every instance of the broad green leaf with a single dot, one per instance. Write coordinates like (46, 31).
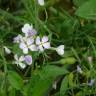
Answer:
(45, 78)
(15, 80)
(52, 71)
(87, 10)
(79, 2)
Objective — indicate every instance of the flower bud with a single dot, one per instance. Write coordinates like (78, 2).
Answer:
(7, 50)
(69, 60)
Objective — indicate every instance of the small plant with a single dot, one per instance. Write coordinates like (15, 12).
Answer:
(30, 41)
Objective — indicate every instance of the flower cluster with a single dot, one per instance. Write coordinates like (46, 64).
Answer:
(32, 42)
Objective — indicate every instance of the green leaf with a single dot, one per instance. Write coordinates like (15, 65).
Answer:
(52, 71)
(12, 91)
(79, 2)
(70, 79)
(87, 10)
(15, 80)
(17, 50)
(79, 93)
(2, 91)
(43, 84)
(64, 86)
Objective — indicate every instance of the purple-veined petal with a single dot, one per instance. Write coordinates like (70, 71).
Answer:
(46, 45)
(44, 39)
(22, 45)
(38, 40)
(31, 33)
(28, 59)
(30, 41)
(26, 28)
(17, 39)
(33, 48)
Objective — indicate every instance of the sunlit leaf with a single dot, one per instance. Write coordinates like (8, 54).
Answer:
(87, 10)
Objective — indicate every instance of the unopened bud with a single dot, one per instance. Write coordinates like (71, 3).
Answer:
(69, 60)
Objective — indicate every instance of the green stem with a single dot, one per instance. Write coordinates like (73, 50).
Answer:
(5, 70)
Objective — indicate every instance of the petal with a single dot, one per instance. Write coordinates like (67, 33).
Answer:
(44, 39)
(41, 2)
(17, 39)
(25, 50)
(46, 45)
(40, 47)
(21, 58)
(61, 47)
(31, 33)
(16, 57)
(59, 51)
(29, 41)
(33, 48)
(28, 59)
(26, 28)
(22, 65)
(22, 45)
(38, 40)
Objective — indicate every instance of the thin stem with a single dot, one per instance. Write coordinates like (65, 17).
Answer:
(5, 70)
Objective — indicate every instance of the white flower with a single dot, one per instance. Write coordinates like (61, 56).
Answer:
(41, 2)
(28, 59)
(7, 50)
(28, 30)
(79, 70)
(60, 49)
(43, 43)
(28, 44)
(19, 61)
